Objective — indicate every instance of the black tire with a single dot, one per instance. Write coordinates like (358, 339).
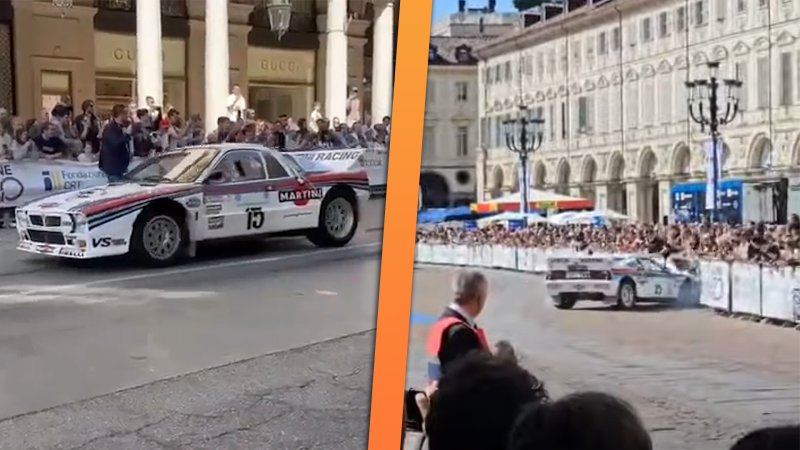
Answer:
(144, 253)
(626, 295)
(338, 201)
(564, 301)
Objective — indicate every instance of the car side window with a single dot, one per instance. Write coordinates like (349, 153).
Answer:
(240, 166)
(274, 167)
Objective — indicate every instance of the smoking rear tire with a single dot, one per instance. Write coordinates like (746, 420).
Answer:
(338, 219)
(159, 239)
(564, 301)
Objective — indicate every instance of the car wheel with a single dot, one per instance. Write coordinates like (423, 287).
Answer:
(338, 219)
(564, 301)
(626, 296)
(159, 239)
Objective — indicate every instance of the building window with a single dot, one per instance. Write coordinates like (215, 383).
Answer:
(648, 107)
(498, 131)
(118, 5)
(762, 81)
(721, 6)
(462, 55)
(428, 140)
(564, 122)
(680, 19)
(602, 44)
(647, 30)
(786, 79)
(497, 76)
(663, 25)
(700, 13)
(632, 103)
(462, 142)
(509, 76)
(540, 66)
(632, 38)
(430, 92)
(584, 115)
(431, 53)
(665, 99)
(740, 73)
(484, 132)
(551, 119)
(616, 39)
(461, 91)
(174, 8)
(797, 74)
(762, 3)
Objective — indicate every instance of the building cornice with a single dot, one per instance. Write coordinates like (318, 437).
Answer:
(585, 17)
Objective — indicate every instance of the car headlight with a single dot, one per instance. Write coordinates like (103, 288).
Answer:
(22, 218)
(79, 221)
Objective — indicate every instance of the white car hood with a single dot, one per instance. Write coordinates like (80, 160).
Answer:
(117, 193)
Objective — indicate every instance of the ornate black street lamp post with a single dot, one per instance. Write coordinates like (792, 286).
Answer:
(523, 137)
(280, 16)
(703, 95)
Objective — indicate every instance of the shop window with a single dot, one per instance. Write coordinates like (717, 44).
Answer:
(112, 91)
(55, 87)
(174, 8)
(117, 5)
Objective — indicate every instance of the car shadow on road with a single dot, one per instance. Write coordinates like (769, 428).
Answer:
(207, 252)
(642, 307)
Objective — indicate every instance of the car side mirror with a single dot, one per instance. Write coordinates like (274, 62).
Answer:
(215, 177)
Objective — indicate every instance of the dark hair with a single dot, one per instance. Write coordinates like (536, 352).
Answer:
(117, 110)
(142, 112)
(86, 104)
(477, 401)
(59, 111)
(222, 119)
(581, 421)
(773, 438)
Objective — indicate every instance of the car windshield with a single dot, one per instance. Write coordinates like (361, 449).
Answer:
(181, 166)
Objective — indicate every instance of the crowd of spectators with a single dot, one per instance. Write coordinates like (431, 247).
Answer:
(763, 243)
(490, 402)
(67, 132)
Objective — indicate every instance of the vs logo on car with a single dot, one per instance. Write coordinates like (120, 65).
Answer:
(106, 242)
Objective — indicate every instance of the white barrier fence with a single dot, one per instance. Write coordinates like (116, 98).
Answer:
(770, 292)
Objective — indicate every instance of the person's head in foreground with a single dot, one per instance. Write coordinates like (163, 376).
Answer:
(477, 401)
(773, 438)
(580, 421)
(470, 290)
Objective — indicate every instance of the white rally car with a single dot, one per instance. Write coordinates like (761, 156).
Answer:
(170, 202)
(620, 281)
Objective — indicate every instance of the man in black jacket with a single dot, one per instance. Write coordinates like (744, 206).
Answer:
(115, 154)
(456, 333)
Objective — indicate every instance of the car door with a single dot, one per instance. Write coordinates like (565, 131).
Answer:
(298, 200)
(659, 280)
(237, 198)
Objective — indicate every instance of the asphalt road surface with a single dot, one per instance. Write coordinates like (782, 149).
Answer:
(698, 380)
(256, 345)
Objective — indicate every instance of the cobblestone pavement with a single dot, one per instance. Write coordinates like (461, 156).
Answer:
(698, 380)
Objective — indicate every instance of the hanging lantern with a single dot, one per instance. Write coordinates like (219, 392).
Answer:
(280, 16)
(63, 5)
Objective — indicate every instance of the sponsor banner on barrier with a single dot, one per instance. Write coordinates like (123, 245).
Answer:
(24, 181)
(372, 159)
(746, 288)
(780, 293)
(715, 284)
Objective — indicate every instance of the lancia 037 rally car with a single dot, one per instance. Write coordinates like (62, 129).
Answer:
(170, 202)
(620, 281)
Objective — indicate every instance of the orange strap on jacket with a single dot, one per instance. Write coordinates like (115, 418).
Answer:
(434, 342)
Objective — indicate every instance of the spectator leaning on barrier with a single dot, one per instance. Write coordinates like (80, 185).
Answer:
(115, 155)
(456, 334)
(88, 126)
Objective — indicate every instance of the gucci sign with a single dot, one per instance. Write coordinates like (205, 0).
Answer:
(280, 66)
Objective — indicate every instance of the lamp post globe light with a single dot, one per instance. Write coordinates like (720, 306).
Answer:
(704, 96)
(524, 135)
(280, 16)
